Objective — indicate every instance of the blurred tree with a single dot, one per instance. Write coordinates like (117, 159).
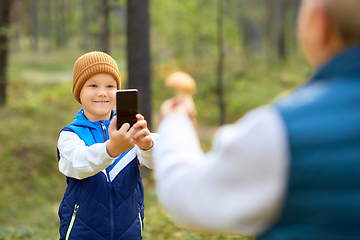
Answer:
(85, 25)
(16, 24)
(220, 62)
(184, 35)
(94, 25)
(249, 16)
(35, 24)
(61, 36)
(5, 6)
(104, 20)
(294, 8)
(138, 53)
(280, 28)
(47, 30)
(276, 47)
(297, 6)
(138, 56)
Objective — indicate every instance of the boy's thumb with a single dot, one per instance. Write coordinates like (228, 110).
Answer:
(112, 126)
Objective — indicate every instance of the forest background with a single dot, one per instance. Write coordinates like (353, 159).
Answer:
(242, 54)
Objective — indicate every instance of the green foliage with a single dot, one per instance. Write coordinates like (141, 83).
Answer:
(40, 101)
(31, 186)
(160, 226)
(248, 83)
(25, 233)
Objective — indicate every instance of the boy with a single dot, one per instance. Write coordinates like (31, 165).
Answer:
(285, 171)
(104, 198)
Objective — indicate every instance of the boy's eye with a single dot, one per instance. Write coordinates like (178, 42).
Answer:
(92, 85)
(111, 86)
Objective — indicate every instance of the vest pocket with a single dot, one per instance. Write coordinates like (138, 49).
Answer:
(76, 208)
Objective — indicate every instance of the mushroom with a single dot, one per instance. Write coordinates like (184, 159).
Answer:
(181, 82)
(185, 87)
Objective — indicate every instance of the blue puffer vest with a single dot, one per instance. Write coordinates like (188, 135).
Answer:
(323, 123)
(108, 205)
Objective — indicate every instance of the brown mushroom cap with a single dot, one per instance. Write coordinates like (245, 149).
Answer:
(182, 82)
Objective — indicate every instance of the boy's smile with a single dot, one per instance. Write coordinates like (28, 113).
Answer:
(98, 96)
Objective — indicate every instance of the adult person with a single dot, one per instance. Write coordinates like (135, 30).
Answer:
(289, 170)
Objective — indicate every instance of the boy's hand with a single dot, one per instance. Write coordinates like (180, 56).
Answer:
(120, 140)
(142, 136)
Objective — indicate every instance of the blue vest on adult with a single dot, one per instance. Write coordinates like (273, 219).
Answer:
(323, 123)
(108, 205)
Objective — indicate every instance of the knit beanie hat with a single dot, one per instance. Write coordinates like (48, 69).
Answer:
(91, 64)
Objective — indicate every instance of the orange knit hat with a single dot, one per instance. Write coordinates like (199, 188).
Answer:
(91, 64)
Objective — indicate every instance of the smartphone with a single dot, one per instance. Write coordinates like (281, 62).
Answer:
(126, 107)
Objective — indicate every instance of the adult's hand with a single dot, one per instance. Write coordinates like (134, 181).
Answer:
(179, 105)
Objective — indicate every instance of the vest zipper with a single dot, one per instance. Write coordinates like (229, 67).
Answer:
(141, 224)
(103, 128)
(72, 221)
(111, 207)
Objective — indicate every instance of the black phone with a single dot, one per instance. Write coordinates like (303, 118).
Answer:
(126, 107)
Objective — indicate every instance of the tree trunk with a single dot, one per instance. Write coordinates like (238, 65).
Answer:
(4, 47)
(60, 33)
(138, 53)
(276, 12)
(138, 56)
(297, 5)
(269, 31)
(245, 26)
(35, 24)
(105, 33)
(220, 63)
(280, 23)
(85, 25)
(295, 9)
(48, 25)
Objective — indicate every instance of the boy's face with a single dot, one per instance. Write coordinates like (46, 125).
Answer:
(98, 96)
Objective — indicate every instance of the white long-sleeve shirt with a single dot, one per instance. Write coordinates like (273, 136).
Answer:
(80, 161)
(238, 186)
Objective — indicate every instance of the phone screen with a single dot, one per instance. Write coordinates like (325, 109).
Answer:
(126, 107)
